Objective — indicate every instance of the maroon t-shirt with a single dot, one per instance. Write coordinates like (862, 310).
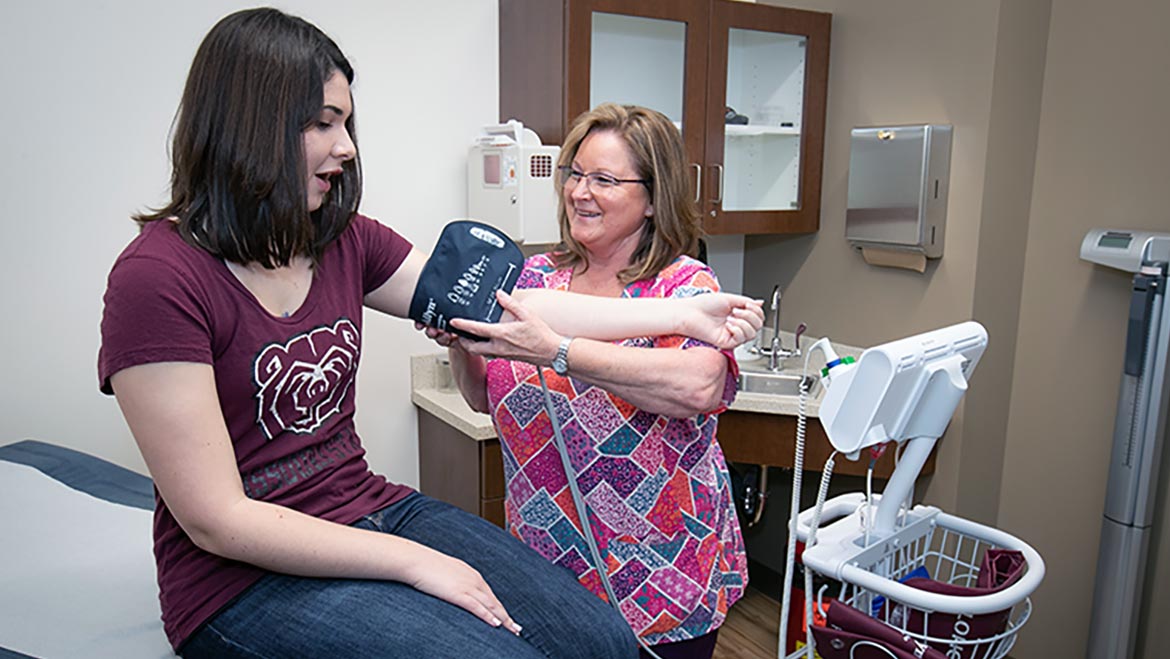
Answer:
(285, 385)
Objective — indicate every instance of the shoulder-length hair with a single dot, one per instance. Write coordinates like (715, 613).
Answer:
(659, 158)
(238, 181)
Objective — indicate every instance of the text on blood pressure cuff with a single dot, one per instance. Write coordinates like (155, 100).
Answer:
(470, 262)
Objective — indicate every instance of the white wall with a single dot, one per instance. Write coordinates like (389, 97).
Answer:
(90, 90)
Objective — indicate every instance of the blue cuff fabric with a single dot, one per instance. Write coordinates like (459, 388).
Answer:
(470, 262)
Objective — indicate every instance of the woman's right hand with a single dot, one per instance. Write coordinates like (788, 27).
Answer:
(724, 320)
(521, 335)
(456, 582)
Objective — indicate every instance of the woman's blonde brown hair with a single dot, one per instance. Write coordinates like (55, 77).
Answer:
(660, 159)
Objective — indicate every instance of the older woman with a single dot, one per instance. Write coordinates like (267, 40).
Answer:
(639, 416)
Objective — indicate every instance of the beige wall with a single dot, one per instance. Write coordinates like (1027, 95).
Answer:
(892, 63)
(1056, 106)
(1101, 161)
(1007, 193)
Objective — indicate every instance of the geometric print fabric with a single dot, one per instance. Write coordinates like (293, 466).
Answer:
(657, 489)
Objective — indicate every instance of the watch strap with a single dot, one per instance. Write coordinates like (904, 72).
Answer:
(560, 363)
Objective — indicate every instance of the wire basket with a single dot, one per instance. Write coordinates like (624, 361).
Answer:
(929, 543)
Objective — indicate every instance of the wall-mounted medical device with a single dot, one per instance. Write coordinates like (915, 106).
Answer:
(898, 183)
(904, 390)
(1139, 433)
(510, 177)
(894, 392)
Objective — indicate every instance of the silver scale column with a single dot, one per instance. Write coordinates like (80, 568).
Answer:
(1138, 434)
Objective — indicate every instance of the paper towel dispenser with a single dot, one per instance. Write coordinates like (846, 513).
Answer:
(898, 183)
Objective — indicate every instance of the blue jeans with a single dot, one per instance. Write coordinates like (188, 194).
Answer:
(287, 616)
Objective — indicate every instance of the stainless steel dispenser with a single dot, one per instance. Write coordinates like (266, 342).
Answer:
(898, 184)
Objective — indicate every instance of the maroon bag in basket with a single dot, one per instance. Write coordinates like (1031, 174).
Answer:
(851, 634)
(1000, 568)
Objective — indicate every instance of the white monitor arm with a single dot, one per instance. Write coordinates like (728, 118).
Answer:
(903, 390)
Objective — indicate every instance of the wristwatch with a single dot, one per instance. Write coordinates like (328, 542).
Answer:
(560, 363)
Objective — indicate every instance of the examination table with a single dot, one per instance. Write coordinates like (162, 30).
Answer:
(77, 575)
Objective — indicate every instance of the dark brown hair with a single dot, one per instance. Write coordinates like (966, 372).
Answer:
(660, 158)
(238, 180)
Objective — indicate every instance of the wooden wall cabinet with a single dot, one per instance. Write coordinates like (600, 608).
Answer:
(690, 60)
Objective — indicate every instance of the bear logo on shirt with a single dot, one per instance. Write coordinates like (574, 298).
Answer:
(304, 381)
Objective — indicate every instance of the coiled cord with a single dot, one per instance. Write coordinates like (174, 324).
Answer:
(794, 511)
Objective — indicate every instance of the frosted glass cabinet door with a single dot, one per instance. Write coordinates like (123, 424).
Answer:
(764, 108)
(651, 53)
(638, 61)
(768, 73)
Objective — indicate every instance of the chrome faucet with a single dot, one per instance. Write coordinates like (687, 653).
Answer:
(774, 353)
(777, 351)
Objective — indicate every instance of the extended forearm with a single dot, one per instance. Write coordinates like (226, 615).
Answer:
(603, 318)
(675, 383)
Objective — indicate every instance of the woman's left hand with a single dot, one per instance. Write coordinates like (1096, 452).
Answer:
(724, 320)
(520, 335)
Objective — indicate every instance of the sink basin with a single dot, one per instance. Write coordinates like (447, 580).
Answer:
(775, 383)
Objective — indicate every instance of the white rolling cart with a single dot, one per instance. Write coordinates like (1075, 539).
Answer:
(904, 391)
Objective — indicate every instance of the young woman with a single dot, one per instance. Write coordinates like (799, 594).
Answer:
(231, 337)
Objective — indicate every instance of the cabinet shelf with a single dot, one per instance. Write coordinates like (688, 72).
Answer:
(737, 130)
(753, 130)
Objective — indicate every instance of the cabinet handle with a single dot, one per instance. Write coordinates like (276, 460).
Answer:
(719, 198)
(698, 181)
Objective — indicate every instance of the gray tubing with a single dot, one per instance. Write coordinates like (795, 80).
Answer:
(579, 502)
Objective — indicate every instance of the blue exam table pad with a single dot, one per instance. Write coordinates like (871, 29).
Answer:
(77, 575)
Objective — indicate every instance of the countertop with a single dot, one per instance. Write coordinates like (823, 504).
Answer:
(432, 389)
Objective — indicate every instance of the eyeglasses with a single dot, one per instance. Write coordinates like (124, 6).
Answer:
(597, 182)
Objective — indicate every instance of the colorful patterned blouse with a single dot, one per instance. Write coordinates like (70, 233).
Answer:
(657, 489)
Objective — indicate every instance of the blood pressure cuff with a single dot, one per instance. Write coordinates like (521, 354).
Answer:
(470, 262)
(850, 634)
(999, 569)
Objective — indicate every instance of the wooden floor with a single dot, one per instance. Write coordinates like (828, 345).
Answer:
(750, 629)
